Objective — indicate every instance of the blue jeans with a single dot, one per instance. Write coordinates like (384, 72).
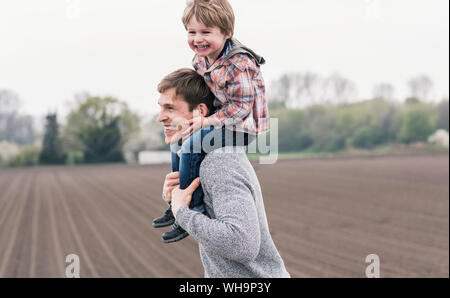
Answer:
(193, 152)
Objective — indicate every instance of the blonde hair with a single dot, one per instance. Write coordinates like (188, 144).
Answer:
(211, 13)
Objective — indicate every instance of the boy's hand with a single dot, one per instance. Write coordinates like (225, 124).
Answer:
(172, 181)
(183, 197)
(196, 123)
(179, 125)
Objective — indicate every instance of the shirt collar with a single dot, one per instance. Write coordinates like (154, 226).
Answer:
(226, 49)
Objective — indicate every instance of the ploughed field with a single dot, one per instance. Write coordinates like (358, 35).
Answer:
(325, 216)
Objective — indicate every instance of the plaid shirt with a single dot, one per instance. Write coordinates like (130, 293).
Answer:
(238, 85)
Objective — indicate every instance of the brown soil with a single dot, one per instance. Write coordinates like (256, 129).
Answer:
(325, 216)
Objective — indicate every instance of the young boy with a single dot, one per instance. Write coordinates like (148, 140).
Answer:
(232, 72)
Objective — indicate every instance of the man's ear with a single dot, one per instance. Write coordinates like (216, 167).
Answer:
(203, 109)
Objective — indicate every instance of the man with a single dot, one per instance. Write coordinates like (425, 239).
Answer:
(234, 241)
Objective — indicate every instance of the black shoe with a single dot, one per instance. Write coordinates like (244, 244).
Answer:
(174, 235)
(167, 220)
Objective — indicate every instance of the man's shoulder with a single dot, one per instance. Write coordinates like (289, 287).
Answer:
(226, 153)
(222, 171)
(225, 160)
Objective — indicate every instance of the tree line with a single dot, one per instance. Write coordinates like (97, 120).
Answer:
(96, 131)
(315, 113)
(363, 125)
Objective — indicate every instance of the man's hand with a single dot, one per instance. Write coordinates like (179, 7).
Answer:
(183, 197)
(171, 182)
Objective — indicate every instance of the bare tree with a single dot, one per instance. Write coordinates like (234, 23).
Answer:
(308, 89)
(279, 90)
(296, 89)
(14, 127)
(9, 102)
(339, 90)
(305, 89)
(421, 87)
(384, 91)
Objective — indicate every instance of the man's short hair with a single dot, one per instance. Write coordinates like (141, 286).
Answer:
(211, 13)
(191, 86)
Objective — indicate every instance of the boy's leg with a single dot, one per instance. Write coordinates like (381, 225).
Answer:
(226, 137)
(168, 219)
(192, 156)
(174, 148)
(236, 139)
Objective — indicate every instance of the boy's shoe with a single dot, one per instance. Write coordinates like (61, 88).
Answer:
(166, 220)
(174, 235)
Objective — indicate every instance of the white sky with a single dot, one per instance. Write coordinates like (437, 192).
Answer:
(52, 49)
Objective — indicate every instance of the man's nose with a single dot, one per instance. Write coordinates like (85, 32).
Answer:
(162, 117)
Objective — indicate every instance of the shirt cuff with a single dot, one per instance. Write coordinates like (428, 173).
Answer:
(184, 215)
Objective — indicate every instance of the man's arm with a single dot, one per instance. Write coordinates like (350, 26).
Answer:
(234, 234)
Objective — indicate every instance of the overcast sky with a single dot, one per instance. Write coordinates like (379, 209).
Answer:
(52, 49)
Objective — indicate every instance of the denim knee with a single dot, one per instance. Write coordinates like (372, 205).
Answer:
(174, 148)
(194, 143)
